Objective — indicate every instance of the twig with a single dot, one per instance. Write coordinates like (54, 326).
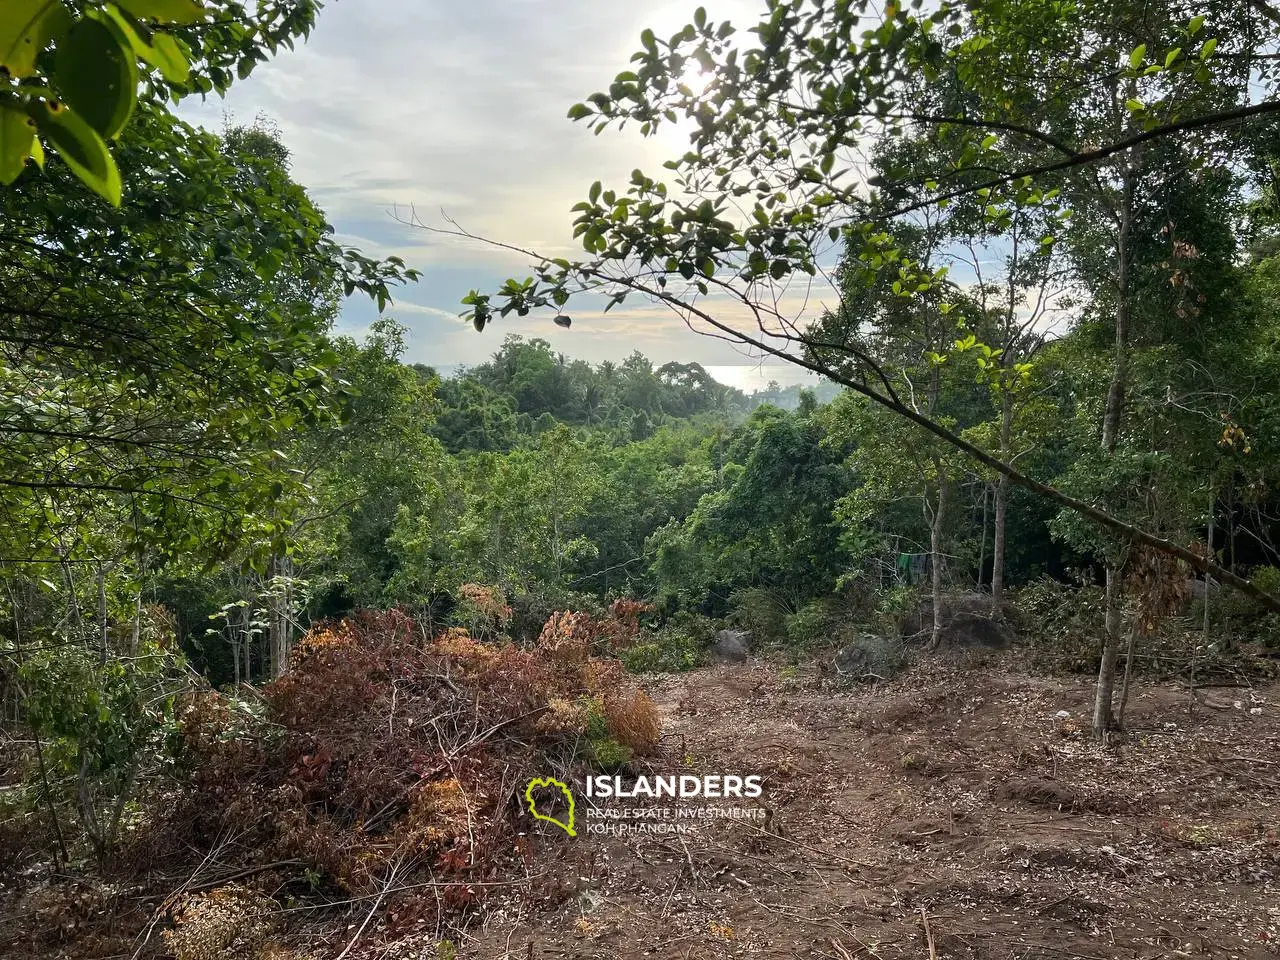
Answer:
(928, 933)
(246, 872)
(391, 879)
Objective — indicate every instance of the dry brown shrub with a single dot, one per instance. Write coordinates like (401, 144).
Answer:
(438, 818)
(229, 923)
(602, 676)
(624, 621)
(568, 637)
(321, 637)
(633, 721)
(562, 717)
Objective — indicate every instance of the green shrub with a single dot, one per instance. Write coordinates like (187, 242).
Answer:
(602, 749)
(813, 624)
(1063, 622)
(762, 611)
(609, 755)
(669, 650)
(891, 606)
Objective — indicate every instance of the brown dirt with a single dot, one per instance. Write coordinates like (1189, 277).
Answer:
(952, 794)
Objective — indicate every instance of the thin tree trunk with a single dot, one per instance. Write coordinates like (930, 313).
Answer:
(1114, 414)
(982, 549)
(1002, 505)
(1128, 670)
(998, 547)
(1213, 503)
(278, 625)
(1103, 718)
(935, 550)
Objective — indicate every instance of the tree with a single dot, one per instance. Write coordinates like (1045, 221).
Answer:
(781, 126)
(73, 75)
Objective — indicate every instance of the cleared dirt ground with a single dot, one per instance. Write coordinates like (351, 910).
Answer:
(951, 813)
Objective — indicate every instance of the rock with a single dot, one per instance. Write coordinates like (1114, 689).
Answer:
(1197, 589)
(731, 646)
(967, 622)
(1062, 715)
(869, 658)
(974, 630)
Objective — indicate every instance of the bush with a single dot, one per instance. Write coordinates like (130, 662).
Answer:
(633, 721)
(1063, 622)
(813, 624)
(610, 755)
(379, 743)
(762, 611)
(481, 610)
(669, 650)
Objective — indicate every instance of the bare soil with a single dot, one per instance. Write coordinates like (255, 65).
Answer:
(951, 813)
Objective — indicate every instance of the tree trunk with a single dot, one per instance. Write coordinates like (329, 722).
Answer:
(935, 551)
(1002, 503)
(1114, 414)
(982, 549)
(1103, 718)
(998, 547)
(278, 622)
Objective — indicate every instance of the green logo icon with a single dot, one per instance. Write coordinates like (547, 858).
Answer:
(534, 784)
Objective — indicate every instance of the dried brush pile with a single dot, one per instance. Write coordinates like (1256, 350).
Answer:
(388, 764)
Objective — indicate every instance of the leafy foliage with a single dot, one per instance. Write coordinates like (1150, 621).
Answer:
(74, 74)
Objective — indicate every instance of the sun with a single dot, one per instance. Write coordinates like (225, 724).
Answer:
(696, 79)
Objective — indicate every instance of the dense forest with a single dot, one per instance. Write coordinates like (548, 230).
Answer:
(287, 620)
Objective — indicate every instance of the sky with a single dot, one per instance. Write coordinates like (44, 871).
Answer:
(458, 109)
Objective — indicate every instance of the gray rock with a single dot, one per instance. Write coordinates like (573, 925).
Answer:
(1198, 589)
(731, 646)
(968, 630)
(869, 658)
(966, 623)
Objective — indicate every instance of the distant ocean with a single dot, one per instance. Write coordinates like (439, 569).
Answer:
(751, 377)
(747, 377)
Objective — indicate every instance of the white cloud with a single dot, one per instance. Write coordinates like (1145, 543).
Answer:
(461, 107)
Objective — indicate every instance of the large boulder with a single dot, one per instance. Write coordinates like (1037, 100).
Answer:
(967, 622)
(731, 646)
(869, 657)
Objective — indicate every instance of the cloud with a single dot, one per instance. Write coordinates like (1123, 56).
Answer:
(461, 107)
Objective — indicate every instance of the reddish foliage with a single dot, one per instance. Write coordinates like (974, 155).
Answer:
(383, 747)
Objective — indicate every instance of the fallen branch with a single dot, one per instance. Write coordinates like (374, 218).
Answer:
(928, 933)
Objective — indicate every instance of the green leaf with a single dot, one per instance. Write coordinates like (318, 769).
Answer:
(1138, 55)
(1135, 106)
(1193, 27)
(97, 75)
(169, 59)
(162, 52)
(579, 111)
(17, 133)
(26, 27)
(166, 11)
(83, 150)
(1173, 55)
(1210, 45)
